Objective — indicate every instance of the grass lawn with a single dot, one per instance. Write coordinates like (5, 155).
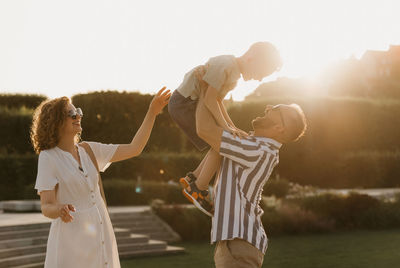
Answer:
(375, 249)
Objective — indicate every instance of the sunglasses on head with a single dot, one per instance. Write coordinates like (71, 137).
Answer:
(74, 113)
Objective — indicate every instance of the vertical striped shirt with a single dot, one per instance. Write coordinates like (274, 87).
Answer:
(245, 167)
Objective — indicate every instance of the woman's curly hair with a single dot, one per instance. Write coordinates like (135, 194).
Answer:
(48, 118)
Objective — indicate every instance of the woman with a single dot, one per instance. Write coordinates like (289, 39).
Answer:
(81, 234)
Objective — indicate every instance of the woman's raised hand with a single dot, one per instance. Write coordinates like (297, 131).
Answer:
(159, 101)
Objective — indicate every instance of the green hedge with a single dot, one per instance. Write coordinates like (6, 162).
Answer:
(189, 222)
(355, 211)
(121, 192)
(14, 134)
(155, 166)
(18, 172)
(351, 142)
(114, 117)
(30, 101)
(325, 213)
(18, 175)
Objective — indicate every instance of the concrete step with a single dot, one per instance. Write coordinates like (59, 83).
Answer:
(121, 232)
(136, 222)
(23, 242)
(133, 238)
(158, 234)
(150, 245)
(28, 250)
(24, 246)
(21, 206)
(114, 215)
(131, 217)
(23, 227)
(32, 265)
(167, 237)
(133, 225)
(144, 229)
(22, 260)
(167, 251)
(24, 234)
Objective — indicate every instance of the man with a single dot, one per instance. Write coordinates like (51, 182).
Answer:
(246, 165)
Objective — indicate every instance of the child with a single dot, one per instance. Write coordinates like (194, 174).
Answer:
(212, 82)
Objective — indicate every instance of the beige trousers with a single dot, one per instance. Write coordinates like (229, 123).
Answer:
(237, 253)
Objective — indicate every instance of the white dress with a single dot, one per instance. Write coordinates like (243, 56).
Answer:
(89, 240)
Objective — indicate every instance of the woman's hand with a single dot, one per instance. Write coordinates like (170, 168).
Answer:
(65, 213)
(159, 101)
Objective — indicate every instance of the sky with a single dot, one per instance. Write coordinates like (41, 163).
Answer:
(61, 48)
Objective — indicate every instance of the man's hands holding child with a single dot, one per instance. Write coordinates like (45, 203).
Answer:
(159, 101)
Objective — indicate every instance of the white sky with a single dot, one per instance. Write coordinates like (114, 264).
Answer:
(61, 48)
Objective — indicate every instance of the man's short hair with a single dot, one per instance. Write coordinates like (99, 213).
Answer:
(296, 125)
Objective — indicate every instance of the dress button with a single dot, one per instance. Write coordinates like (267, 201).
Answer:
(93, 203)
(106, 263)
(86, 176)
(102, 242)
(91, 191)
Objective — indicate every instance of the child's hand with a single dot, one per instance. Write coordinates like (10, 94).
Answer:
(238, 133)
(159, 101)
(243, 133)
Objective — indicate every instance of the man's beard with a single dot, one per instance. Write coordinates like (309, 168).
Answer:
(262, 123)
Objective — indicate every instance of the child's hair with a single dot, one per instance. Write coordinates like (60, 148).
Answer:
(267, 52)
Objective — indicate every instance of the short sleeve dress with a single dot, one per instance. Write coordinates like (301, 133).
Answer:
(89, 240)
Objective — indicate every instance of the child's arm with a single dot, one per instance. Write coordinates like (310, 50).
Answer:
(241, 133)
(225, 113)
(211, 103)
(210, 99)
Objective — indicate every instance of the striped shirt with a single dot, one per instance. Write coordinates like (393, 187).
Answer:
(245, 167)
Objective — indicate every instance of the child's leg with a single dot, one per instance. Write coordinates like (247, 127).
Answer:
(197, 171)
(195, 190)
(210, 163)
(186, 181)
(208, 169)
(213, 159)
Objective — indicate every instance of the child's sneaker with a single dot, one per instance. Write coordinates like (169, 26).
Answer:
(185, 182)
(199, 199)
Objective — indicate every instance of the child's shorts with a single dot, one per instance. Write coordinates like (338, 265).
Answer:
(183, 112)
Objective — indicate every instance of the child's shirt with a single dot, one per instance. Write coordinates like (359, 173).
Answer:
(220, 72)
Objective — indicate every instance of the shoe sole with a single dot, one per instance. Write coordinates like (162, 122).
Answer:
(184, 183)
(195, 203)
